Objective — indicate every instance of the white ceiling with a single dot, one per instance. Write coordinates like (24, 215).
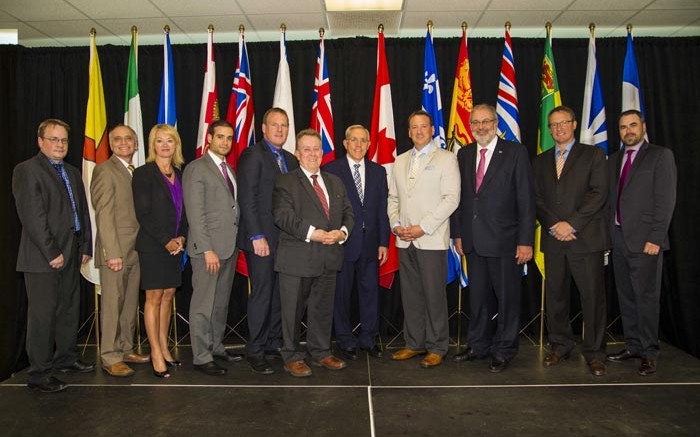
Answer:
(68, 22)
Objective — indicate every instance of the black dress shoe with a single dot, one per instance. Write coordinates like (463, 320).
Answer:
(498, 365)
(78, 367)
(273, 354)
(466, 355)
(163, 374)
(621, 356)
(648, 367)
(260, 365)
(374, 351)
(349, 353)
(48, 385)
(173, 364)
(210, 368)
(229, 356)
(596, 367)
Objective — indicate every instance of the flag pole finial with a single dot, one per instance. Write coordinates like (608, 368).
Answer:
(283, 28)
(591, 27)
(210, 28)
(464, 26)
(93, 32)
(508, 26)
(321, 32)
(241, 28)
(134, 29)
(548, 26)
(629, 28)
(430, 26)
(380, 28)
(166, 29)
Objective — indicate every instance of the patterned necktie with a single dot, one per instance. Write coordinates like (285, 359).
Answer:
(66, 183)
(414, 169)
(224, 170)
(280, 162)
(358, 182)
(480, 170)
(561, 159)
(131, 169)
(321, 196)
(623, 179)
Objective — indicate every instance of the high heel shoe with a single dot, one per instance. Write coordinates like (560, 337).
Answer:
(164, 374)
(173, 364)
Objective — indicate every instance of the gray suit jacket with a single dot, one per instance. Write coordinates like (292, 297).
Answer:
(45, 211)
(212, 212)
(295, 207)
(648, 197)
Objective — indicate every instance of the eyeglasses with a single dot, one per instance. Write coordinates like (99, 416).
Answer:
(360, 140)
(560, 124)
(55, 140)
(479, 123)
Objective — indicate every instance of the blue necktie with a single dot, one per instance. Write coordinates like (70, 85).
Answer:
(60, 169)
(280, 161)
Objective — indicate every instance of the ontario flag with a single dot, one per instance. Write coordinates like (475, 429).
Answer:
(209, 109)
(382, 147)
(507, 103)
(95, 145)
(240, 107)
(321, 111)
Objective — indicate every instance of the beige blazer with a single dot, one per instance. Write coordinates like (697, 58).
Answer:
(431, 200)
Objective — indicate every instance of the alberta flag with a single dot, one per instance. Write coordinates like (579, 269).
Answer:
(321, 111)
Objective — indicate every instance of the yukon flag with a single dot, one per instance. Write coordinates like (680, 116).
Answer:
(550, 99)
(382, 147)
(240, 107)
(432, 102)
(95, 145)
(631, 85)
(594, 129)
(132, 104)
(507, 103)
(167, 113)
(321, 110)
(462, 102)
(283, 91)
(209, 110)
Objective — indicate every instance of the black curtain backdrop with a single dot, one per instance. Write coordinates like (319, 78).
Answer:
(39, 83)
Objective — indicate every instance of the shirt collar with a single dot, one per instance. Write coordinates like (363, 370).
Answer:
(124, 163)
(352, 162)
(308, 173)
(425, 150)
(635, 147)
(273, 148)
(216, 159)
(567, 148)
(491, 146)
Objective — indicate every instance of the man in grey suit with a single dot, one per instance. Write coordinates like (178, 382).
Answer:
(642, 199)
(115, 253)
(571, 187)
(56, 239)
(314, 215)
(423, 193)
(212, 213)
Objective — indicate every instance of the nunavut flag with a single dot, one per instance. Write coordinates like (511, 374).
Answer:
(95, 145)
(462, 103)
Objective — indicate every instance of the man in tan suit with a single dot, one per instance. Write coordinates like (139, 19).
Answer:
(115, 255)
(423, 193)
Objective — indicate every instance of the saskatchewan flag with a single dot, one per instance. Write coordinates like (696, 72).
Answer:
(550, 99)
(132, 104)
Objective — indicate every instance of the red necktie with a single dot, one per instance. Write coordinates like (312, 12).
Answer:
(321, 196)
(480, 168)
(623, 179)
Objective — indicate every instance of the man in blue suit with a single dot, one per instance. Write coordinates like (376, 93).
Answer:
(366, 247)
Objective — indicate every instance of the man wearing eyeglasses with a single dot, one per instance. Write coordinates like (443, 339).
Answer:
(571, 187)
(258, 169)
(56, 239)
(366, 248)
(494, 226)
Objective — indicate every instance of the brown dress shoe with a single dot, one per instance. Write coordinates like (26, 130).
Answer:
(431, 360)
(554, 358)
(648, 367)
(330, 363)
(597, 367)
(405, 354)
(136, 358)
(298, 369)
(119, 369)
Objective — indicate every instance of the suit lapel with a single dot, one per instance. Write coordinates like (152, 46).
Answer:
(211, 165)
(311, 192)
(570, 160)
(637, 162)
(494, 165)
(347, 175)
(470, 165)
(269, 158)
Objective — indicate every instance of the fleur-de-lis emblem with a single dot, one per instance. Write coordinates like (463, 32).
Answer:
(428, 82)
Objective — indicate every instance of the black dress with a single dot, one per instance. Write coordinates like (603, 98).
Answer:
(161, 215)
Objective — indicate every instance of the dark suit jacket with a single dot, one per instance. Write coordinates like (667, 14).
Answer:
(371, 219)
(295, 207)
(648, 197)
(154, 209)
(501, 215)
(578, 197)
(45, 211)
(257, 173)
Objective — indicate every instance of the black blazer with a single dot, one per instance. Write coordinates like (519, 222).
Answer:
(648, 197)
(371, 219)
(45, 211)
(295, 207)
(257, 174)
(578, 197)
(155, 210)
(501, 215)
